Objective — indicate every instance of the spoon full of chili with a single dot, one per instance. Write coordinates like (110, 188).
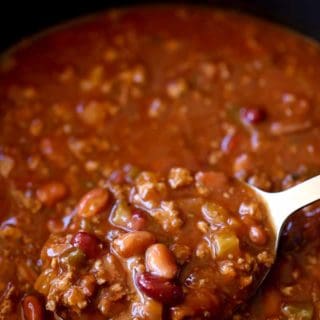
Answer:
(281, 205)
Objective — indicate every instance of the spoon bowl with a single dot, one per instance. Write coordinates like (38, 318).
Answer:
(281, 205)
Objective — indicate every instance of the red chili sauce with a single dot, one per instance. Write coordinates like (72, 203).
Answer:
(124, 142)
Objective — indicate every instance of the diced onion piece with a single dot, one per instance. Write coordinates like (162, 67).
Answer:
(225, 243)
(122, 215)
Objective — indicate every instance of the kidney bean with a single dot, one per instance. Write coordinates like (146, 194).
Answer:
(258, 235)
(253, 115)
(32, 308)
(133, 243)
(88, 243)
(160, 261)
(93, 202)
(51, 193)
(159, 288)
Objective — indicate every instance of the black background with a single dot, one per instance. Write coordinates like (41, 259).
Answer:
(21, 18)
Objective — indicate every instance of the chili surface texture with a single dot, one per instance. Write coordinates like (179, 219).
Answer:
(124, 141)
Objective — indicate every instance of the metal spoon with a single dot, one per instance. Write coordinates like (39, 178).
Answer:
(281, 205)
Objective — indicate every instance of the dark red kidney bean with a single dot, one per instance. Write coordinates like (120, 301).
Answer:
(253, 115)
(88, 243)
(32, 308)
(160, 289)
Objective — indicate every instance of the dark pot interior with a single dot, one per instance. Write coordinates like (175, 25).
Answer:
(21, 18)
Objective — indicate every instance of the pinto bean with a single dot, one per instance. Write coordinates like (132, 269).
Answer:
(51, 193)
(133, 243)
(160, 261)
(93, 202)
